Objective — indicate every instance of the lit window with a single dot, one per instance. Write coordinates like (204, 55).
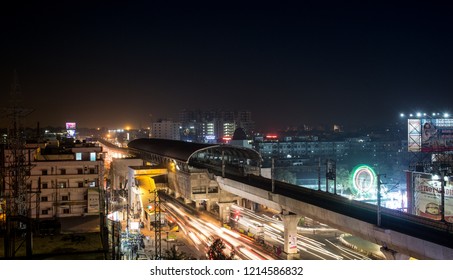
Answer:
(78, 156)
(92, 156)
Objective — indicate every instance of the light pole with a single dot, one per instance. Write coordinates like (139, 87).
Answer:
(273, 175)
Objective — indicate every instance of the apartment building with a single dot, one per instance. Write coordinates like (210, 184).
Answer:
(66, 181)
(61, 180)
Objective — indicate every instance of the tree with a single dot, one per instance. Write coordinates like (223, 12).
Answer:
(174, 254)
(343, 178)
(216, 251)
(284, 175)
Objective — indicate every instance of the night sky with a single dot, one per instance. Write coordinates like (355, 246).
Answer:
(111, 64)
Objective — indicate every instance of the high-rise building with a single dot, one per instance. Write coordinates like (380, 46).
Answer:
(166, 129)
(210, 126)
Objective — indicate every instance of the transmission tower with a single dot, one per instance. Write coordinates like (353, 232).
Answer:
(16, 166)
(157, 227)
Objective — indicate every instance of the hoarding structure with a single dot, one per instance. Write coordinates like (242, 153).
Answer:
(427, 195)
(430, 135)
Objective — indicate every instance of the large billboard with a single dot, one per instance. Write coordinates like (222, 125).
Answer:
(430, 135)
(428, 195)
(71, 129)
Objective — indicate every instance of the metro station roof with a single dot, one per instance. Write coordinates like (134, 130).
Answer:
(182, 151)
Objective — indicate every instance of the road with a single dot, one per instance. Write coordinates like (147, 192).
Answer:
(314, 243)
(202, 230)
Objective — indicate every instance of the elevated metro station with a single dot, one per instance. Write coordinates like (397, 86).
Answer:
(214, 177)
(185, 170)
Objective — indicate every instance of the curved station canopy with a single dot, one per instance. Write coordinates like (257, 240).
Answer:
(188, 151)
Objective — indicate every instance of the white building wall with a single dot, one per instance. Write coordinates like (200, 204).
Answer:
(166, 130)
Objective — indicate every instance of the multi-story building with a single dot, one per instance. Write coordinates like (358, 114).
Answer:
(386, 156)
(165, 129)
(210, 126)
(64, 180)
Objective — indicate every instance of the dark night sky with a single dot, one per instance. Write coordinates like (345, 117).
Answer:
(105, 63)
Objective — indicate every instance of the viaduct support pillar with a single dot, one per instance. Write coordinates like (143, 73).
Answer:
(208, 205)
(290, 222)
(224, 211)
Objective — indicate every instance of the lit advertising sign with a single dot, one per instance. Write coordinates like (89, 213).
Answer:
(430, 135)
(93, 201)
(427, 197)
(70, 126)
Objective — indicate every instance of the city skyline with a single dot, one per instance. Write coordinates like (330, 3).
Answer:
(109, 65)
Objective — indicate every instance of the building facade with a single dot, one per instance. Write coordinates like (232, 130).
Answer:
(212, 126)
(165, 129)
(62, 181)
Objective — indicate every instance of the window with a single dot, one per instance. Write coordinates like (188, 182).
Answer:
(92, 156)
(80, 184)
(79, 171)
(65, 198)
(44, 212)
(44, 199)
(63, 171)
(44, 185)
(44, 172)
(66, 211)
(78, 156)
(62, 185)
(92, 171)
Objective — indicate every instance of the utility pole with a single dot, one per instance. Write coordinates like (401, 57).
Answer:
(223, 163)
(319, 174)
(273, 175)
(379, 199)
(157, 227)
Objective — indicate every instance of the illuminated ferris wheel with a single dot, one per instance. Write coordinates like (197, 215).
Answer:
(364, 181)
